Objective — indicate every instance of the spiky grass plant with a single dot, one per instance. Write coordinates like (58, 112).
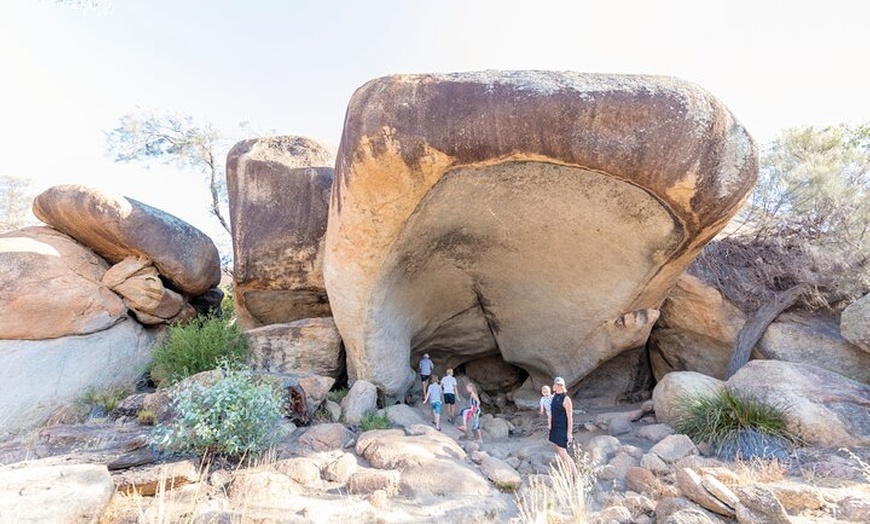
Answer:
(100, 403)
(737, 426)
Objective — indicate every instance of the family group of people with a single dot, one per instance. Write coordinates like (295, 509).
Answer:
(444, 392)
(555, 403)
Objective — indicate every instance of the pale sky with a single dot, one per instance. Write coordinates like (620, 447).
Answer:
(291, 67)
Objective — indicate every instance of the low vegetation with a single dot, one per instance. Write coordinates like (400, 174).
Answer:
(235, 417)
(100, 403)
(738, 427)
(198, 346)
(373, 420)
(337, 395)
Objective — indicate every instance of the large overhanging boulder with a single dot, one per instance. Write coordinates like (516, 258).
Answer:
(539, 216)
(278, 190)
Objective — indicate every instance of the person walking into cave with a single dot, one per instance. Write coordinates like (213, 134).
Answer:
(425, 366)
(471, 414)
(434, 396)
(545, 405)
(561, 423)
(448, 386)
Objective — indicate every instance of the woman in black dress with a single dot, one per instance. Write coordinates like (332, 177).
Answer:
(563, 421)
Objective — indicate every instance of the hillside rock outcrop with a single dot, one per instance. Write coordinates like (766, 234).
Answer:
(278, 190)
(698, 328)
(116, 227)
(462, 203)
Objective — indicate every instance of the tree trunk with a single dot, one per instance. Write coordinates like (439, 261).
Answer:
(756, 325)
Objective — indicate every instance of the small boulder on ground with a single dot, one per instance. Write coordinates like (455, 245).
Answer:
(71, 493)
(326, 437)
(676, 386)
(430, 462)
(361, 400)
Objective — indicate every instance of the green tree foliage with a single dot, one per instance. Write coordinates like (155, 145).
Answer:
(177, 140)
(15, 202)
(814, 184)
(806, 223)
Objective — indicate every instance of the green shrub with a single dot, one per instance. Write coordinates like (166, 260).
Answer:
(373, 420)
(198, 346)
(236, 416)
(736, 426)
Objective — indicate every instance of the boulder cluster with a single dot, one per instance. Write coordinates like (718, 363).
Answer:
(79, 292)
(513, 225)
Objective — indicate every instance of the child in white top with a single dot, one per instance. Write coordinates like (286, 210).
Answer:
(546, 403)
(448, 386)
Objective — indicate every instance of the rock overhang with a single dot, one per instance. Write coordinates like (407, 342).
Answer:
(538, 215)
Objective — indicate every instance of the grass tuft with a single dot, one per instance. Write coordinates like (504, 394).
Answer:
(100, 403)
(736, 426)
(375, 420)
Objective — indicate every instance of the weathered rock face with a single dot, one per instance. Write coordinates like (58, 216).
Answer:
(698, 327)
(39, 376)
(463, 203)
(855, 323)
(279, 200)
(696, 330)
(824, 408)
(116, 227)
(812, 339)
(137, 281)
(50, 287)
(311, 345)
(75, 493)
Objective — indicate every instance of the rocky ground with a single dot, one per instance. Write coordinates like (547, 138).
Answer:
(336, 473)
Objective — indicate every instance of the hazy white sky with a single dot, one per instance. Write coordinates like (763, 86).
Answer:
(291, 66)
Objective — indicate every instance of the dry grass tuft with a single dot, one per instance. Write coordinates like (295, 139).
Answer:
(561, 497)
(757, 469)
